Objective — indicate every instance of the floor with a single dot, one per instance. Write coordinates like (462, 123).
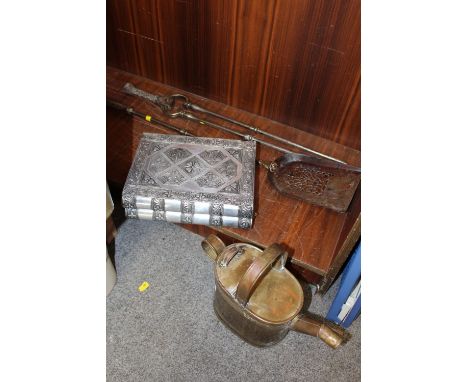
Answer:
(169, 332)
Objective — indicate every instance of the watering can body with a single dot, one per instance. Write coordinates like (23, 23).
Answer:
(258, 298)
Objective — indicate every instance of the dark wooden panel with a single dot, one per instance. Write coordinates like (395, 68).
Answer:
(311, 234)
(293, 61)
(346, 241)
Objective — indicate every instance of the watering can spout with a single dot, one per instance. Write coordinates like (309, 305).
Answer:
(332, 335)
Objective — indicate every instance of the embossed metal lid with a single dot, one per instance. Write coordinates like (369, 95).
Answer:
(193, 176)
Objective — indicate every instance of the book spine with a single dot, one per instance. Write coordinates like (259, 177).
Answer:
(189, 212)
(188, 218)
(179, 217)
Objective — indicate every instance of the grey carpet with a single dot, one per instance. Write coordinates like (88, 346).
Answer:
(170, 332)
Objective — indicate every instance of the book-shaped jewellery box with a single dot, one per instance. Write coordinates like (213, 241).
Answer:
(208, 181)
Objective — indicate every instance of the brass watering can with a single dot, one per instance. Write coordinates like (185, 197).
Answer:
(258, 298)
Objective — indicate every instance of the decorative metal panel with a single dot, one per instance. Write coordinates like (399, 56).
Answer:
(192, 169)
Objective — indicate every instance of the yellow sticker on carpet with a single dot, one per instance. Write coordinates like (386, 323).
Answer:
(144, 285)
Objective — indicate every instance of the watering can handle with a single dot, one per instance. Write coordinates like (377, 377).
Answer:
(213, 246)
(307, 323)
(260, 266)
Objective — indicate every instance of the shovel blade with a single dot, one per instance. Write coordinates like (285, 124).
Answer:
(315, 180)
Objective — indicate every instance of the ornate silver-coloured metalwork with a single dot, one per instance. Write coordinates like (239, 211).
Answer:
(131, 213)
(170, 177)
(216, 220)
(177, 154)
(159, 215)
(187, 218)
(163, 102)
(216, 208)
(128, 201)
(213, 156)
(194, 167)
(187, 206)
(235, 153)
(244, 223)
(157, 164)
(245, 211)
(233, 188)
(158, 204)
(210, 180)
(191, 178)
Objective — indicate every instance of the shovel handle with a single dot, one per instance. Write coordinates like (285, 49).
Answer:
(333, 336)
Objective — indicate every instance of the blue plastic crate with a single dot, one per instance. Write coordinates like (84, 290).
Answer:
(350, 281)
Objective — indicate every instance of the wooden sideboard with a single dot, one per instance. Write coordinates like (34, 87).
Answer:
(292, 61)
(318, 239)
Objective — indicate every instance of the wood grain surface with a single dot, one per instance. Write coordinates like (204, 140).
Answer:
(293, 61)
(313, 235)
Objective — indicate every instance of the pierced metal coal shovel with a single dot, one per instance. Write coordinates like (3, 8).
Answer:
(314, 180)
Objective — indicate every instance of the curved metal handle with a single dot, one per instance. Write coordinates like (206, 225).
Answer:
(213, 246)
(259, 267)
